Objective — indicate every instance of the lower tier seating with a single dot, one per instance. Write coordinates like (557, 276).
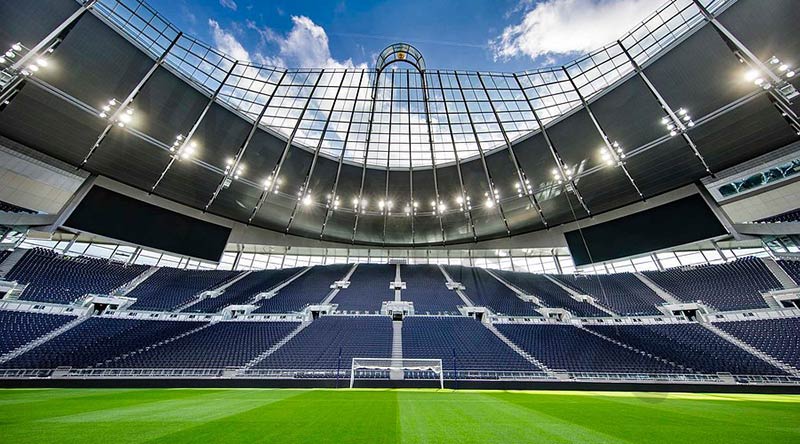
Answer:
(97, 340)
(565, 347)
(463, 344)
(690, 345)
(318, 346)
(220, 345)
(17, 328)
(779, 338)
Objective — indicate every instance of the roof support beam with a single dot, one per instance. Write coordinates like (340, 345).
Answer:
(438, 209)
(466, 203)
(603, 135)
(410, 203)
(492, 191)
(521, 177)
(332, 205)
(553, 151)
(665, 106)
(359, 205)
(196, 125)
(310, 173)
(243, 148)
(129, 99)
(386, 208)
(276, 171)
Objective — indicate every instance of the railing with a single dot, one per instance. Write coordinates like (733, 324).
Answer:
(344, 373)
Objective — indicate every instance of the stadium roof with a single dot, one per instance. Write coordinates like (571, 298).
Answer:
(401, 154)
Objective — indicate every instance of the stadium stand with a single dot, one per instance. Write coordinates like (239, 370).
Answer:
(317, 346)
(54, 278)
(565, 347)
(97, 340)
(792, 268)
(789, 216)
(17, 328)
(244, 290)
(779, 338)
(169, 288)
(474, 347)
(486, 291)
(369, 286)
(690, 345)
(11, 208)
(730, 286)
(220, 345)
(549, 294)
(4, 254)
(425, 287)
(310, 288)
(623, 293)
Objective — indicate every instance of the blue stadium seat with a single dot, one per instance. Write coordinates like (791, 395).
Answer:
(779, 338)
(17, 328)
(425, 287)
(169, 288)
(310, 288)
(61, 279)
(623, 293)
(731, 286)
(243, 290)
(486, 291)
(369, 286)
(549, 294)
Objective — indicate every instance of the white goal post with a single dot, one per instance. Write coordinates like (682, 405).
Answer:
(398, 366)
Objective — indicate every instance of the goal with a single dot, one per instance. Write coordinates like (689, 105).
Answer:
(396, 367)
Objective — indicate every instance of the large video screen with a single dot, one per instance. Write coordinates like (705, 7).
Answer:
(107, 213)
(680, 222)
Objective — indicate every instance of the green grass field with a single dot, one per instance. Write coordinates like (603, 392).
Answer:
(392, 416)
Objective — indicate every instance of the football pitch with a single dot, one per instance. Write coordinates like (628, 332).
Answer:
(392, 416)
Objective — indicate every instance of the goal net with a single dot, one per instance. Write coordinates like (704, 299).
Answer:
(396, 368)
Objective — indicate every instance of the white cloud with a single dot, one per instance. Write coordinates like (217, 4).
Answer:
(553, 27)
(227, 42)
(304, 46)
(230, 4)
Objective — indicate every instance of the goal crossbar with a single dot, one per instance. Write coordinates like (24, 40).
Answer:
(397, 364)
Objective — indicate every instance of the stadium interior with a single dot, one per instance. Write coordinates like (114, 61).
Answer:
(173, 217)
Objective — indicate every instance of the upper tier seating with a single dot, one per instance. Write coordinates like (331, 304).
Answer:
(690, 345)
(792, 268)
(310, 288)
(369, 286)
(243, 290)
(17, 328)
(97, 340)
(779, 338)
(475, 347)
(486, 291)
(318, 345)
(623, 293)
(169, 288)
(61, 279)
(789, 216)
(11, 208)
(426, 288)
(220, 345)
(731, 286)
(565, 347)
(550, 294)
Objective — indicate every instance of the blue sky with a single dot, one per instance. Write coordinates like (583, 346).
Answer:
(496, 35)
